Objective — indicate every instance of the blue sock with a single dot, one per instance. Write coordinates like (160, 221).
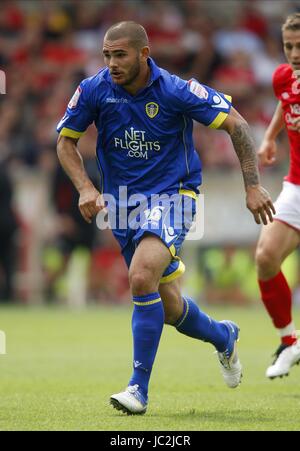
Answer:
(197, 324)
(147, 324)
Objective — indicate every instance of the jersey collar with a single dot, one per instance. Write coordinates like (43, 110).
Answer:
(155, 71)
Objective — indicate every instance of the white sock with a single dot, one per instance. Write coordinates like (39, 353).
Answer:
(288, 330)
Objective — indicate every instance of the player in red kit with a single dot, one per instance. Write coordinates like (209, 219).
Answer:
(281, 237)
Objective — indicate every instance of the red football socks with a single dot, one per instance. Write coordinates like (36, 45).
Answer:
(277, 297)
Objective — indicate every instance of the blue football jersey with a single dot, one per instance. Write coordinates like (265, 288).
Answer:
(145, 141)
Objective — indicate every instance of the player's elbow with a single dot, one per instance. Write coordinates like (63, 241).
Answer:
(233, 121)
(63, 143)
(60, 145)
(59, 142)
(238, 124)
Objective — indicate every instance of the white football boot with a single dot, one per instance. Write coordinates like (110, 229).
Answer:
(231, 367)
(286, 357)
(130, 401)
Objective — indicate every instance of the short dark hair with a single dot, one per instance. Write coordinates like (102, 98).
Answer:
(292, 22)
(135, 32)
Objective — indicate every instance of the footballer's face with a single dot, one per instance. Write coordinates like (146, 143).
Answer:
(291, 45)
(123, 60)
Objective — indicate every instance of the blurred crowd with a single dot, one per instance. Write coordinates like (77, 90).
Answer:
(46, 48)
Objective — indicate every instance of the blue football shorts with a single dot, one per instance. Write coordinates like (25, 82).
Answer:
(169, 217)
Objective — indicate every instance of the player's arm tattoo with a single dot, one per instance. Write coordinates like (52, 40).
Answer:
(245, 149)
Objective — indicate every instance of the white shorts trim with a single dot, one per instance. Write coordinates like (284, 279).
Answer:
(287, 205)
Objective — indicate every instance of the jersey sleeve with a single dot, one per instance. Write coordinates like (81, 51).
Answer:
(202, 103)
(80, 112)
(280, 76)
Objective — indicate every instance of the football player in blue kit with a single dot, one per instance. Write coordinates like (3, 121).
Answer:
(144, 116)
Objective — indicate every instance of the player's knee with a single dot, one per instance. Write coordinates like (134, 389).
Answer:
(171, 317)
(173, 308)
(267, 260)
(142, 282)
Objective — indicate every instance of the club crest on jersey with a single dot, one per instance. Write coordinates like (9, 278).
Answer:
(151, 109)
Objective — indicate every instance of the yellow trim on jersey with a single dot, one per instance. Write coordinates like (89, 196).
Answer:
(228, 97)
(69, 133)
(218, 120)
(155, 301)
(185, 315)
(189, 193)
(174, 275)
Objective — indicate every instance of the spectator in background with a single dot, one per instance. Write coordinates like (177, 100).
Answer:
(108, 278)
(69, 235)
(227, 271)
(71, 231)
(8, 228)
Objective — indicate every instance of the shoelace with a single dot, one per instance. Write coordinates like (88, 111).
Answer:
(223, 358)
(133, 389)
(226, 354)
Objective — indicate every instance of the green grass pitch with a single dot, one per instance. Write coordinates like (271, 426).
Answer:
(61, 367)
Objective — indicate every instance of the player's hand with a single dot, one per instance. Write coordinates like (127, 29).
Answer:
(267, 152)
(260, 204)
(90, 203)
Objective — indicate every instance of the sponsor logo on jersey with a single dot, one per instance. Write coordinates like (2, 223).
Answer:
(74, 100)
(291, 118)
(296, 87)
(219, 102)
(197, 89)
(135, 142)
(114, 100)
(296, 74)
(151, 109)
(295, 109)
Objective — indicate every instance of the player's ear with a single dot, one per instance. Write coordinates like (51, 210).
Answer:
(145, 52)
